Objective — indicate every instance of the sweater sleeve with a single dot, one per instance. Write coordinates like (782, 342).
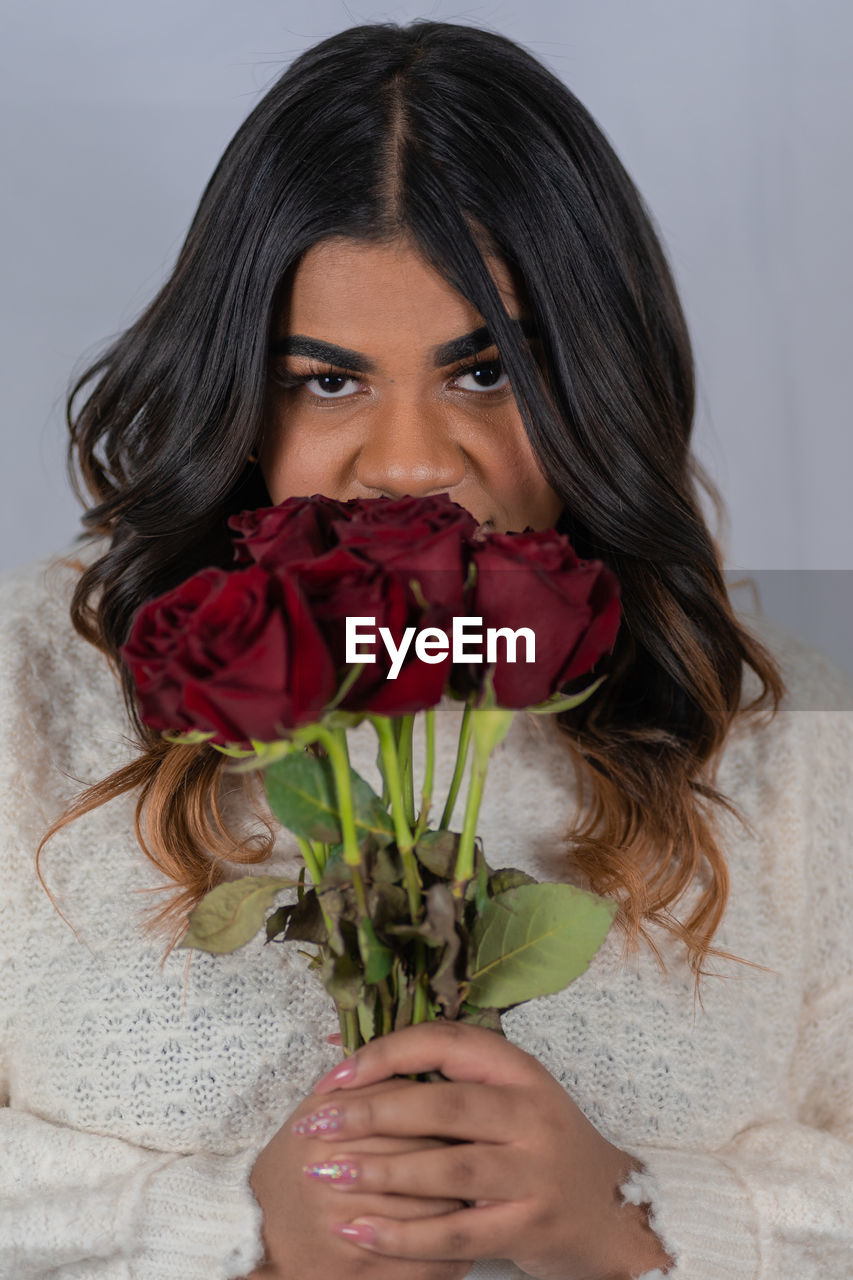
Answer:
(76, 1204)
(82, 1206)
(777, 1199)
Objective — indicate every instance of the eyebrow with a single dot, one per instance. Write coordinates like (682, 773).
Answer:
(470, 344)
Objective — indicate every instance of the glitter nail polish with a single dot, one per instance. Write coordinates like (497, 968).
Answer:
(342, 1172)
(325, 1120)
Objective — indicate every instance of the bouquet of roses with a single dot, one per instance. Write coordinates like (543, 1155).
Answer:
(340, 612)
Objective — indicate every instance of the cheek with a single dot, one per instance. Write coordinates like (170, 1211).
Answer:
(294, 461)
(524, 490)
(539, 506)
(277, 467)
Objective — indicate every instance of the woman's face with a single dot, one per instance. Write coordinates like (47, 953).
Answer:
(384, 405)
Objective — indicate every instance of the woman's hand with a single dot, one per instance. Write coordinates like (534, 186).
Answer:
(542, 1180)
(300, 1215)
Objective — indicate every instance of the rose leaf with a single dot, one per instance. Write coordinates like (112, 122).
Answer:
(301, 792)
(508, 878)
(343, 980)
(306, 922)
(367, 1014)
(436, 850)
(232, 913)
(533, 941)
(490, 1018)
(371, 816)
(376, 956)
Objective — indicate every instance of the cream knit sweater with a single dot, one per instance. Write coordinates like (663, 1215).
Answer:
(138, 1096)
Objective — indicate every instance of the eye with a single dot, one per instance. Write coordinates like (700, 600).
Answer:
(488, 375)
(329, 383)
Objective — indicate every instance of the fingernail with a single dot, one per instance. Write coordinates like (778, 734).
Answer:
(343, 1172)
(326, 1120)
(357, 1232)
(340, 1074)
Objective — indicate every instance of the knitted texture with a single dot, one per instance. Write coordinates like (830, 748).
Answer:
(138, 1094)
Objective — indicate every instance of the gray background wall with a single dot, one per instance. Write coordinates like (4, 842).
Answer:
(733, 117)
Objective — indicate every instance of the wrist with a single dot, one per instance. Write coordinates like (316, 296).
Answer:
(635, 1247)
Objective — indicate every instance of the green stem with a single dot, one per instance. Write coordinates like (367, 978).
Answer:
(310, 860)
(335, 742)
(402, 831)
(429, 772)
(405, 844)
(459, 767)
(407, 724)
(321, 853)
(465, 854)
(349, 1030)
(312, 863)
(420, 1010)
(489, 727)
(387, 1007)
(315, 871)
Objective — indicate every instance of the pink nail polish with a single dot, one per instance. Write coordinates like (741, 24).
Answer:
(325, 1120)
(338, 1075)
(358, 1232)
(342, 1172)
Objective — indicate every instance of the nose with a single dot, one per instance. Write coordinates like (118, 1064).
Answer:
(410, 451)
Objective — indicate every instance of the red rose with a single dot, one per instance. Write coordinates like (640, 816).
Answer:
(234, 653)
(420, 538)
(424, 539)
(297, 529)
(572, 606)
(344, 584)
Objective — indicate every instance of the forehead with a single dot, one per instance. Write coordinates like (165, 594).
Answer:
(339, 278)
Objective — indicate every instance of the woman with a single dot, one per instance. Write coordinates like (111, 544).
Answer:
(397, 192)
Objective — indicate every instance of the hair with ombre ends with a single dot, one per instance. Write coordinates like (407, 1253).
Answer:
(461, 141)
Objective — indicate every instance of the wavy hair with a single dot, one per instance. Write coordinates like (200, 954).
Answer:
(459, 139)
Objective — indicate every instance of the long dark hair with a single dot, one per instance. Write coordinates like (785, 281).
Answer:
(460, 139)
